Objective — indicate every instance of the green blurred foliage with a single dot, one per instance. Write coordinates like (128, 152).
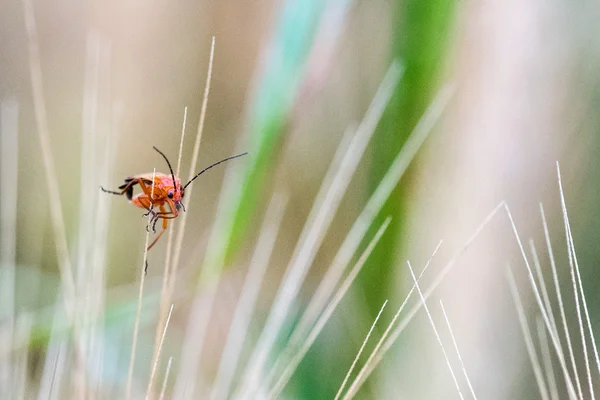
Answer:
(421, 39)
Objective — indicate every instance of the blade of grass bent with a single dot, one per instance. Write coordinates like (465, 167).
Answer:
(535, 363)
(370, 211)
(435, 330)
(460, 360)
(422, 39)
(248, 296)
(561, 307)
(578, 287)
(539, 301)
(358, 379)
(547, 358)
(295, 359)
(41, 118)
(387, 342)
(139, 302)
(315, 228)
(9, 167)
(362, 347)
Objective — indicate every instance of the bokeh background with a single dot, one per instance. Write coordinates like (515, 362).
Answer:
(289, 79)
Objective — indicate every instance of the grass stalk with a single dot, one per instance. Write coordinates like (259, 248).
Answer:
(318, 222)
(561, 307)
(363, 373)
(460, 360)
(435, 330)
(390, 337)
(370, 211)
(248, 296)
(543, 288)
(578, 289)
(140, 301)
(295, 359)
(9, 183)
(163, 390)
(167, 267)
(553, 338)
(547, 359)
(535, 362)
(362, 347)
(155, 365)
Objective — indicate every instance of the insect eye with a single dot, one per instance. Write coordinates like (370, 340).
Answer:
(170, 194)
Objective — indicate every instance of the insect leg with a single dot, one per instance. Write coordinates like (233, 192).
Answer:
(162, 211)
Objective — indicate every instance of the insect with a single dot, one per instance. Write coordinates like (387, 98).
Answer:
(164, 193)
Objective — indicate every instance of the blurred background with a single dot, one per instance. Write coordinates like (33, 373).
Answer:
(512, 86)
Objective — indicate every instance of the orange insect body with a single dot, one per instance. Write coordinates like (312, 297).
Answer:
(165, 192)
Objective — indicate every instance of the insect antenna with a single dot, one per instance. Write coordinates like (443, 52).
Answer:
(213, 165)
(168, 163)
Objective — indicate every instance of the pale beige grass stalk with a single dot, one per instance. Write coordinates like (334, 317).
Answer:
(41, 118)
(140, 301)
(559, 297)
(164, 295)
(155, 364)
(543, 289)
(362, 347)
(364, 220)
(435, 330)
(361, 376)
(547, 358)
(555, 340)
(248, 296)
(460, 360)
(55, 363)
(294, 360)
(52, 189)
(578, 286)
(9, 178)
(315, 228)
(23, 332)
(163, 390)
(171, 268)
(386, 342)
(97, 155)
(529, 345)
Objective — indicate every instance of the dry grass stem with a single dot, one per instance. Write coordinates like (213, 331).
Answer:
(559, 297)
(543, 288)
(578, 288)
(163, 390)
(435, 331)
(41, 118)
(167, 266)
(23, 332)
(179, 238)
(9, 178)
(140, 300)
(384, 344)
(155, 365)
(547, 359)
(535, 362)
(316, 226)
(371, 209)
(293, 360)
(248, 296)
(460, 360)
(362, 347)
(193, 167)
(366, 368)
(555, 340)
